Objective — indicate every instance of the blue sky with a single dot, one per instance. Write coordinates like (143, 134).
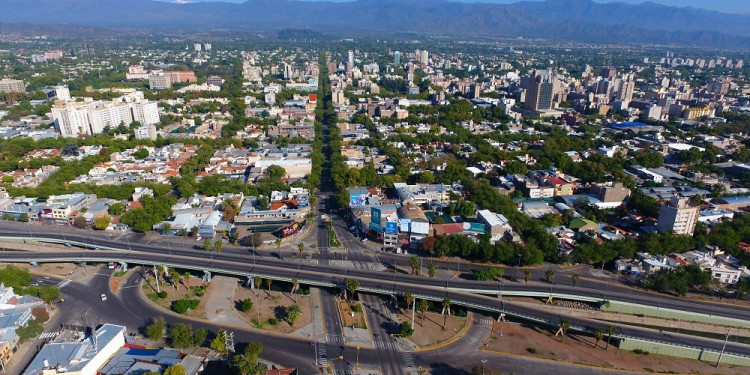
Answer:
(728, 6)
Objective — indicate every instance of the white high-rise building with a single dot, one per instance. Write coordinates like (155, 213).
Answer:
(71, 121)
(207, 46)
(146, 132)
(197, 47)
(111, 115)
(678, 217)
(350, 58)
(62, 93)
(145, 112)
(424, 57)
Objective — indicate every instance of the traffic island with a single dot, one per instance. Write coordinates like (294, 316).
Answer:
(185, 296)
(432, 329)
(525, 340)
(273, 310)
(352, 315)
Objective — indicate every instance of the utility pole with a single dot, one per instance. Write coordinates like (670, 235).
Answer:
(723, 347)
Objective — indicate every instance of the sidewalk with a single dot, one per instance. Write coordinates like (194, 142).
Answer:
(315, 329)
(219, 303)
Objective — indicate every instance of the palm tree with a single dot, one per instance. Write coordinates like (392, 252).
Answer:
(599, 335)
(207, 244)
(610, 331)
(174, 277)
(301, 249)
(295, 284)
(446, 306)
(414, 263)
(549, 274)
(257, 281)
(351, 286)
(218, 245)
(431, 270)
(268, 285)
(277, 242)
(526, 276)
(422, 307)
(575, 278)
(292, 313)
(564, 326)
(186, 279)
(158, 270)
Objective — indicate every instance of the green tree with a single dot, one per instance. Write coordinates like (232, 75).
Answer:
(155, 330)
(218, 245)
(405, 329)
(526, 276)
(564, 326)
(598, 335)
(142, 153)
(422, 307)
(116, 209)
(199, 337)
(181, 336)
(431, 270)
(219, 343)
(610, 332)
(300, 249)
(247, 362)
(207, 244)
(102, 222)
(292, 313)
(575, 278)
(277, 242)
(352, 286)
(174, 370)
(414, 263)
(446, 308)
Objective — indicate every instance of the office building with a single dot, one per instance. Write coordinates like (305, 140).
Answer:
(350, 58)
(12, 85)
(197, 47)
(397, 58)
(678, 217)
(540, 90)
(146, 132)
(207, 46)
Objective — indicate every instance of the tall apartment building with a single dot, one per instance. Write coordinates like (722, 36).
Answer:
(678, 216)
(424, 57)
(74, 119)
(540, 91)
(197, 47)
(62, 93)
(350, 58)
(159, 81)
(397, 58)
(146, 132)
(12, 85)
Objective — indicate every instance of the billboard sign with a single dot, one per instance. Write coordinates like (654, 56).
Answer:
(376, 227)
(357, 200)
(391, 227)
(473, 228)
(290, 230)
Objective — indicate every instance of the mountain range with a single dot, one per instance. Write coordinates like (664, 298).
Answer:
(572, 20)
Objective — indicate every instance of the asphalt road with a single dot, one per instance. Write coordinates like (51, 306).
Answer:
(400, 285)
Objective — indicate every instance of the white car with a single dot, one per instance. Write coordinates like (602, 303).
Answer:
(104, 297)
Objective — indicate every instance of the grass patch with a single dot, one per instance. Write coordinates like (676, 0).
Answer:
(333, 239)
(119, 274)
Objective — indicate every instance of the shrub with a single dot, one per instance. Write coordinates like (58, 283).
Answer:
(162, 294)
(246, 305)
(183, 305)
(405, 329)
(273, 322)
(531, 350)
(357, 308)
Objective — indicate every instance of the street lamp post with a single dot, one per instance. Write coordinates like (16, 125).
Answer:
(484, 361)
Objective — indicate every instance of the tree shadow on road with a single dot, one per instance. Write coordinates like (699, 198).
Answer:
(446, 369)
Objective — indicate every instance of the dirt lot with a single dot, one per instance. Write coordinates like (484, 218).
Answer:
(58, 269)
(184, 289)
(428, 330)
(356, 321)
(272, 305)
(538, 342)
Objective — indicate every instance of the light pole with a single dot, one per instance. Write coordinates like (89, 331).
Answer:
(484, 361)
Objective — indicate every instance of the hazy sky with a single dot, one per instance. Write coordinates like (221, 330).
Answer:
(728, 6)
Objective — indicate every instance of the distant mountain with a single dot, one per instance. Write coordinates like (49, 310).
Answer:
(574, 20)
